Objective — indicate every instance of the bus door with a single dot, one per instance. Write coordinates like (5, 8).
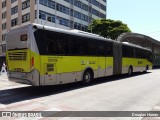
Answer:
(50, 76)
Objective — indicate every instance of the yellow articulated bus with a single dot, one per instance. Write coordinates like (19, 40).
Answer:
(40, 55)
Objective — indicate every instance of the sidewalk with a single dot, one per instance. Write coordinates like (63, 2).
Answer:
(6, 84)
(156, 108)
(3, 76)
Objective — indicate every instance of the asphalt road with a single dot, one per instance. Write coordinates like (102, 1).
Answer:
(141, 92)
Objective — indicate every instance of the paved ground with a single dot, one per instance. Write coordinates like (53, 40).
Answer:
(138, 93)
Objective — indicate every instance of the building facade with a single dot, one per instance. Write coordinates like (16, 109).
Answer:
(66, 14)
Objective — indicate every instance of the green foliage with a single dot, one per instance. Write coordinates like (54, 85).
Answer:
(108, 28)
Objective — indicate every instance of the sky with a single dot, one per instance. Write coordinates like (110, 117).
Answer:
(141, 16)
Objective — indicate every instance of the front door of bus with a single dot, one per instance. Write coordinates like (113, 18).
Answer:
(50, 74)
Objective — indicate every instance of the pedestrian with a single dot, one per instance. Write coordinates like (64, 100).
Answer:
(3, 69)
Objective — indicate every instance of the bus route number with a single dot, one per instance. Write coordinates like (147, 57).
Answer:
(52, 60)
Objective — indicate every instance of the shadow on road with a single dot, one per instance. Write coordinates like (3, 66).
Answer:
(27, 93)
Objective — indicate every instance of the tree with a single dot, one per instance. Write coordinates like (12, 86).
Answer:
(108, 28)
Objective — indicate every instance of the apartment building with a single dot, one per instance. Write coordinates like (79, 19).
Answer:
(66, 14)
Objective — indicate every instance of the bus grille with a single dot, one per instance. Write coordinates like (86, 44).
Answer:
(17, 56)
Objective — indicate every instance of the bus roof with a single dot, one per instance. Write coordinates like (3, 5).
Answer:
(134, 45)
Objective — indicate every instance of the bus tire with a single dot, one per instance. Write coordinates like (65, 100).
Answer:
(130, 71)
(87, 77)
(146, 69)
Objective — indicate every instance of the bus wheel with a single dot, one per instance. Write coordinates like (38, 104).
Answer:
(87, 77)
(146, 69)
(130, 70)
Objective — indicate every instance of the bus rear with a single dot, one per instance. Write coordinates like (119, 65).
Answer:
(21, 55)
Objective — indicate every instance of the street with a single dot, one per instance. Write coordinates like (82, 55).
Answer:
(141, 92)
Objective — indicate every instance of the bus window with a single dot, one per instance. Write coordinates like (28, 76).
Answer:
(66, 45)
(40, 37)
(101, 48)
(127, 51)
(150, 56)
(57, 43)
(109, 48)
(139, 53)
(92, 48)
(77, 45)
(50, 46)
(59, 46)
